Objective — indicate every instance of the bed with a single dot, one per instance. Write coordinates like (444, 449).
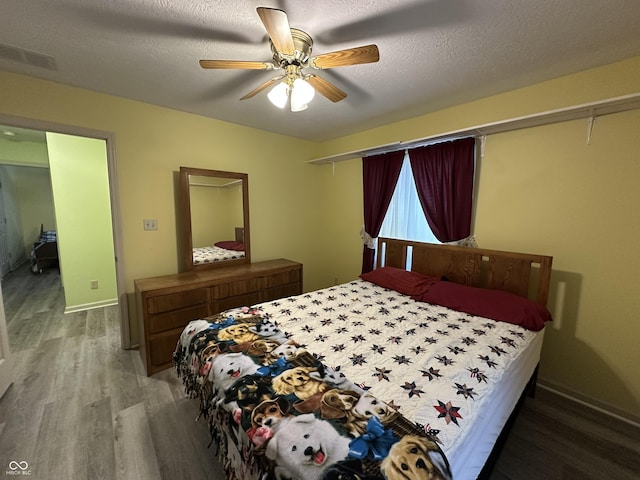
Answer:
(44, 251)
(400, 383)
(222, 250)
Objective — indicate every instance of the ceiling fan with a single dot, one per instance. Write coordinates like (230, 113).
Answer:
(291, 50)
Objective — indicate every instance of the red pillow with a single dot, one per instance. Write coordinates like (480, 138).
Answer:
(403, 281)
(231, 245)
(488, 303)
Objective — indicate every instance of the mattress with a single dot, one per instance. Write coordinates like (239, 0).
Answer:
(406, 360)
(455, 376)
(468, 459)
(202, 255)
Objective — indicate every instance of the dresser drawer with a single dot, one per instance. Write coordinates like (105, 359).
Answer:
(161, 349)
(236, 288)
(280, 291)
(178, 318)
(166, 304)
(247, 300)
(282, 278)
(176, 301)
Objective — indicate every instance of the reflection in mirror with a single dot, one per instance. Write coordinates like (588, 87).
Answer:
(215, 212)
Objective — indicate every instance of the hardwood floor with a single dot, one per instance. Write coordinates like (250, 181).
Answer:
(558, 439)
(81, 407)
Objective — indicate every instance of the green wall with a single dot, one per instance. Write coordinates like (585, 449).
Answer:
(23, 153)
(83, 218)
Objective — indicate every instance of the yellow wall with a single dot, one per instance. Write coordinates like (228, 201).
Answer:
(543, 190)
(536, 193)
(215, 213)
(151, 144)
(610, 81)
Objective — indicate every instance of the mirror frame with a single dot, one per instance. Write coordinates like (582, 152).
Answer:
(185, 202)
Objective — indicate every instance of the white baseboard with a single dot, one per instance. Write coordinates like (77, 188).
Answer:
(592, 403)
(90, 306)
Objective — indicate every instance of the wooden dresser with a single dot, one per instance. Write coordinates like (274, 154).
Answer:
(168, 303)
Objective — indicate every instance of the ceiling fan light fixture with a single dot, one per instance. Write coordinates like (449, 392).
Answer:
(291, 49)
(278, 95)
(298, 107)
(301, 94)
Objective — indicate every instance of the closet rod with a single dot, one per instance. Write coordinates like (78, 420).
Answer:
(587, 110)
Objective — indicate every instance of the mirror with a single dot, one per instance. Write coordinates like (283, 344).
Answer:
(215, 218)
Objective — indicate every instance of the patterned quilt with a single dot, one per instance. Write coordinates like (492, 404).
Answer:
(214, 254)
(352, 381)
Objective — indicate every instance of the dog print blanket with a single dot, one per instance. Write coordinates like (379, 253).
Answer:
(276, 412)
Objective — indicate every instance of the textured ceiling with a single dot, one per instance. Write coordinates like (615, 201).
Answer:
(433, 53)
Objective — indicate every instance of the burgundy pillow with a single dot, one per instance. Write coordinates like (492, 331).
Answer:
(403, 281)
(488, 303)
(231, 245)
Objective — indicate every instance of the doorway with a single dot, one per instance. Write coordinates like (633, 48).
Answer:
(39, 127)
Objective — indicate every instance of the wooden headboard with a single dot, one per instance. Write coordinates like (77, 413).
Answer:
(524, 274)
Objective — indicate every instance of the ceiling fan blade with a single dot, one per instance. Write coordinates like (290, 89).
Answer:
(325, 88)
(350, 56)
(277, 25)
(237, 64)
(262, 87)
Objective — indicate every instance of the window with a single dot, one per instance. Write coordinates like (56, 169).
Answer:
(405, 218)
(443, 184)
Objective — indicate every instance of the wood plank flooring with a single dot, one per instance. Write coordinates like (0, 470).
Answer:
(558, 439)
(81, 407)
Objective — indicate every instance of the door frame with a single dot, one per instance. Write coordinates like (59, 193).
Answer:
(109, 138)
(5, 256)
(5, 353)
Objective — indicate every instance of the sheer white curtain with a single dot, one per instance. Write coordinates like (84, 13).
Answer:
(405, 219)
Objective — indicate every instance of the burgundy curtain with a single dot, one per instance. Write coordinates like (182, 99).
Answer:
(379, 174)
(444, 179)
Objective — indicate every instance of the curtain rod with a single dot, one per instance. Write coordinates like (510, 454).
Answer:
(586, 110)
(410, 145)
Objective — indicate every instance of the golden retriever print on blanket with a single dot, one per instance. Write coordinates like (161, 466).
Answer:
(277, 412)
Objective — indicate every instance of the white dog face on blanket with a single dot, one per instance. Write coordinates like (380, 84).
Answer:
(369, 406)
(195, 326)
(226, 368)
(268, 330)
(337, 379)
(305, 447)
